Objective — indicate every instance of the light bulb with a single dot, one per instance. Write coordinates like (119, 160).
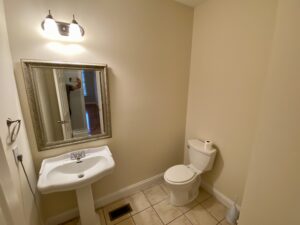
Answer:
(74, 31)
(50, 26)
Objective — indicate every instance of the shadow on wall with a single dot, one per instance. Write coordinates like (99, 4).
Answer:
(213, 175)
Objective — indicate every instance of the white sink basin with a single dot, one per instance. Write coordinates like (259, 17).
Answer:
(62, 173)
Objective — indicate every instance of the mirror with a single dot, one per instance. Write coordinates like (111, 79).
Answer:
(69, 102)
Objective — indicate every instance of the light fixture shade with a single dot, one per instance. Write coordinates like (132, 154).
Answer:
(75, 31)
(49, 25)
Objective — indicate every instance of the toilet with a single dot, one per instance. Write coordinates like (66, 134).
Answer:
(183, 181)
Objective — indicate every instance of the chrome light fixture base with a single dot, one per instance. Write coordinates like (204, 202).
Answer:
(63, 27)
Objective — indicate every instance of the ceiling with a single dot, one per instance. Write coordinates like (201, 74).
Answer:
(192, 3)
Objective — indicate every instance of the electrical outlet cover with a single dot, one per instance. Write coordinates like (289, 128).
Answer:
(15, 151)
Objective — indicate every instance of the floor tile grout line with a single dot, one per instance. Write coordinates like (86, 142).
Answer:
(140, 211)
(212, 214)
(188, 211)
(162, 188)
(158, 216)
(145, 210)
(218, 221)
(131, 214)
(172, 219)
(133, 220)
(156, 202)
(223, 220)
(188, 219)
(152, 205)
(192, 208)
(209, 197)
(122, 220)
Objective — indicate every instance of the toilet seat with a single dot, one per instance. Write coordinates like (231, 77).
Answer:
(180, 174)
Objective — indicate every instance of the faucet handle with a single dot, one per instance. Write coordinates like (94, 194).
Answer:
(82, 154)
(73, 155)
(77, 155)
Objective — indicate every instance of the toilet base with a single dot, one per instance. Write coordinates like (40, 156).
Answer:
(180, 196)
(181, 199)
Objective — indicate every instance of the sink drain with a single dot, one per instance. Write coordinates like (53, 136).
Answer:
(80, 175)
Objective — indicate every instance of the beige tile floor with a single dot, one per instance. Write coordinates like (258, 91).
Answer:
(152, 207)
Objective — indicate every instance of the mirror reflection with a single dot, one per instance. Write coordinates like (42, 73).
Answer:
(69, 102)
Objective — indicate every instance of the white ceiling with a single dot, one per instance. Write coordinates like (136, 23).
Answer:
(192, 3)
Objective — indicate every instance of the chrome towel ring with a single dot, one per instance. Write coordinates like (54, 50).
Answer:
(13, 129)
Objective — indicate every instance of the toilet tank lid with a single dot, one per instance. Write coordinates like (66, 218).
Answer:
(199, 146)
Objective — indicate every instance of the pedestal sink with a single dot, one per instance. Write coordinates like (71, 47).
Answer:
(77, 171)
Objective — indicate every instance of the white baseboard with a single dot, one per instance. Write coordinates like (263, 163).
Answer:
(63, 217)
(129, 190)
(107, 199)
(218, 195)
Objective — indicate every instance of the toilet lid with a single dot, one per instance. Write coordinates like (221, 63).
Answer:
(179, 174)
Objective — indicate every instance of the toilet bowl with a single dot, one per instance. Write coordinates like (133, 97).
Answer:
(184, 181)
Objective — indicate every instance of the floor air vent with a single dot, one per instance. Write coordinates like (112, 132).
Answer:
(117, 213)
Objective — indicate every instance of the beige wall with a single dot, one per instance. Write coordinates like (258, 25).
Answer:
(272, 191)
(21, 200)
(146, 45)
(230, 51)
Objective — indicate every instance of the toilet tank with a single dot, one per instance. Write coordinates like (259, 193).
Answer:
(199, 157)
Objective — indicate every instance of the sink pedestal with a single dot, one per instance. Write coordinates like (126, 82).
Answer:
(86, 207)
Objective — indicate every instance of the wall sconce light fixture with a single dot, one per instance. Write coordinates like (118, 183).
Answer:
(53, 28)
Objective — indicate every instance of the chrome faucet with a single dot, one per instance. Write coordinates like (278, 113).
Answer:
(77, 155)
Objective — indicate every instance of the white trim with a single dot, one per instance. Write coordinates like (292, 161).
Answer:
(99, 98)
(63, 217)
(129, 190)
(80, 132)
(107, 199)
(218, 195)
